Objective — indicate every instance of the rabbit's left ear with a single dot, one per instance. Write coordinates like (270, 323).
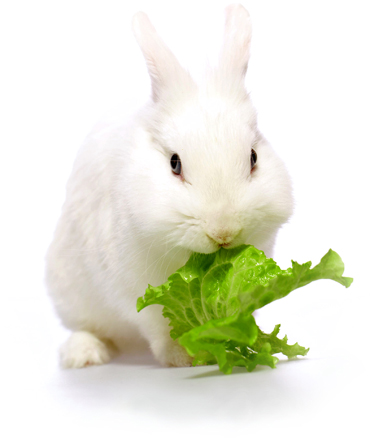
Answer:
(236, 49)
(164, 69)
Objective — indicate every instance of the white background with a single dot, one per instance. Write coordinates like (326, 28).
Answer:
(64, 64)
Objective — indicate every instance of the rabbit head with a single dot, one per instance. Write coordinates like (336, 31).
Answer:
(205, 177)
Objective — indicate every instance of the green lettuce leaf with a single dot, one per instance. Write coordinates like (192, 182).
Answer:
(210, 303)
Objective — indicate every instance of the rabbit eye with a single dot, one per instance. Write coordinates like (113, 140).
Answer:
(176, 164)
(253, 158)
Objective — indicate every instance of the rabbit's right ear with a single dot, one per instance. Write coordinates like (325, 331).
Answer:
(235, 53)
(163, 67)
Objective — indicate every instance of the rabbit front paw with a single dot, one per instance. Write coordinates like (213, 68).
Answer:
(171, 354)
(83, 349)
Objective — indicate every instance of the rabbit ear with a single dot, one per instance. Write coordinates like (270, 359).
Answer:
(236, 49)
(163, 67)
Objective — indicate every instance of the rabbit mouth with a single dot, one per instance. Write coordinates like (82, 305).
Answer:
(230, 245)
(237, 241)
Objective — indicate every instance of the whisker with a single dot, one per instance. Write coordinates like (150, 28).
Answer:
(153, 263)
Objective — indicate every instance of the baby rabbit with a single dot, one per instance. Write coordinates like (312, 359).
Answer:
(189, 172)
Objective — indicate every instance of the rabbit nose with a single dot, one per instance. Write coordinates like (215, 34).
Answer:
(224, 236)
(222, 225)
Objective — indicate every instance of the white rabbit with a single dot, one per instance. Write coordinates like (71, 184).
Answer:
(189, 172)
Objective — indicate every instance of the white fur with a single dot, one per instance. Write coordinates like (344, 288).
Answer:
(129, 221)
(83, 349)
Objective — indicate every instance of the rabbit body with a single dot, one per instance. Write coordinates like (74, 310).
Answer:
(129, 219)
